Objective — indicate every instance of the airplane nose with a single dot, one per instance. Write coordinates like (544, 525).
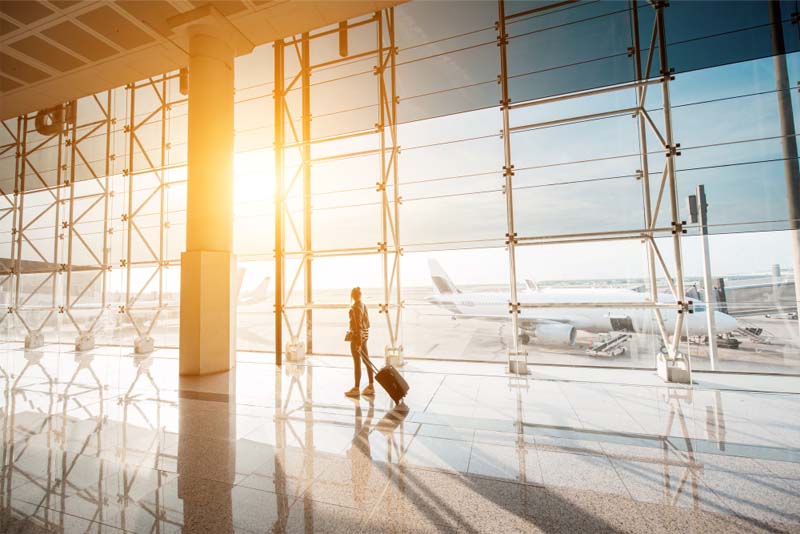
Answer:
(724, 322)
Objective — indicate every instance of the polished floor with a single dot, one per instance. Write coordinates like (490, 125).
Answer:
(109, 442)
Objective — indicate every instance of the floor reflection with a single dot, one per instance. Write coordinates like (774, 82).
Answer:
(359, 452)
(98, 442)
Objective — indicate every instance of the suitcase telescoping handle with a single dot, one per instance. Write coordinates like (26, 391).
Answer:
(369, 363)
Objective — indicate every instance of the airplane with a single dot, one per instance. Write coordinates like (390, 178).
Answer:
(559, 326)
(256, 295)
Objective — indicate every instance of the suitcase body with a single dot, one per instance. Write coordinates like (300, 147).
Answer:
(390, 379)
(393, 382)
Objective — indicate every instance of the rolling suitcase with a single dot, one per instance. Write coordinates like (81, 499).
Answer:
(390, 379)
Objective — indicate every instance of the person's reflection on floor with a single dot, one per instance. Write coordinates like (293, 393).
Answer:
(391, 426)
(359, 453)
(393, 420)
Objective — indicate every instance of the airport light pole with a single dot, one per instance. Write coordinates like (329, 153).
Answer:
(698, 211)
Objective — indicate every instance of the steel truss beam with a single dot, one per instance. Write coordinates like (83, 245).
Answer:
(517, 359)
(154, 161)
(390, 209)
(32, 316)
(667, 185)
(78, 192)
(299, 235)
(9, 209)
(30, 178)
(101, 177)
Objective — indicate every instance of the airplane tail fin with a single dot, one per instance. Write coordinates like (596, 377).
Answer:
(262, 290)
(259, 293)
(443, 284)
(239, 280)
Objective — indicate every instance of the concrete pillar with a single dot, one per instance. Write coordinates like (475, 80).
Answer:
(208, 266)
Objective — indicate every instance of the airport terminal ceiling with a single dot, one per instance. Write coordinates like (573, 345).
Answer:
(507, 181)
(53, 51)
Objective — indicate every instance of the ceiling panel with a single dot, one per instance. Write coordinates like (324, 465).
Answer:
(64, 4)
(153, 14)
(20, 70)
(46, 53)
(75, 38)
(61, 50)
(7, 84)
(226, 7)
(26, 12)
(7, 26)
(114, 27)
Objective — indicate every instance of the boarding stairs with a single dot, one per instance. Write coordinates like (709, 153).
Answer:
(755, 334)
(610, 345)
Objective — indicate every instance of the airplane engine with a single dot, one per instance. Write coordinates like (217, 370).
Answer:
(555, 334)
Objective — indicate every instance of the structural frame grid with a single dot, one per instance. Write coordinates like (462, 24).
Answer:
(289, 142)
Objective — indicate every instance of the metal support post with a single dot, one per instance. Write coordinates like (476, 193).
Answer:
(381, 185)
(9, 198)
(791, 165)
(55, 294)
(85, 339)
(13, 282)
(396, 355)
(308, 296)
(79, 345)
(517, 361)
(294, 348)
(162, 241)
(40, 314)
(126, 218)
(107, 170)
(677, 367)
(19, 189)
(645, 170)
(397, 347)
(389, 151)
(279, 201)
(142, 158)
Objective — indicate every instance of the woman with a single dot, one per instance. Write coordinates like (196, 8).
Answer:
(359, 332)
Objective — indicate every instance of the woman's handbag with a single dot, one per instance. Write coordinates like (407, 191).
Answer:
(348, 336)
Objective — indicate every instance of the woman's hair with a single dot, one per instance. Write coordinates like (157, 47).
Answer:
(353, 292)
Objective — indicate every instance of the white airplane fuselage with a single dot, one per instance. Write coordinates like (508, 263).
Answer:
(589, 319)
